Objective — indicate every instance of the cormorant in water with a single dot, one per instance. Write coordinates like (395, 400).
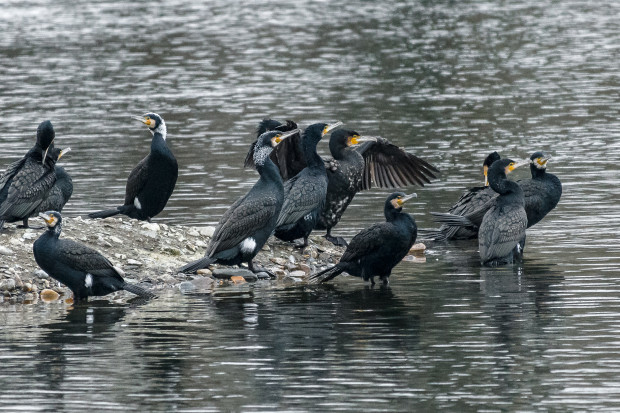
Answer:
(357, 163)
(542, 193)
(502, 231)
(247, 224)
(84, 270)
(376, 250)
(473, 199)
(152, 181)
(26, 183)
(304, 194)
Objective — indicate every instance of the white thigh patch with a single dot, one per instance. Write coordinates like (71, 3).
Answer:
(136, 203)
(248, 245)
(88, 282)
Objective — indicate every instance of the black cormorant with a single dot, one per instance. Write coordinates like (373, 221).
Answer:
(247, 224)
(357, 163)
(152, 181)
(502, 232)
(542, 193)
(59, 194)
(26, 183)
(84, 270)
(304, 194)
(376, 250)
(473, 199)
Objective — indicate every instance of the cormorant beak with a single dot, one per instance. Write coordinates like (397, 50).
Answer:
(47, 218)
(47, 149)
(63, 152)
(147, 122)
(356, 140)
(541, 161)
(331, 127)
(486, 175)
(279, 138)
(516, 165)
(408, 197)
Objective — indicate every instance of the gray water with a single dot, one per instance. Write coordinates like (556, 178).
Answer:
(450, 81)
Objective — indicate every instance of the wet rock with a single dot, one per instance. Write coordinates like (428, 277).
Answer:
(226, 273)
(297, 274)
(305, 268)
(203, 283)
(193, 233)
(263, 275)
(18, 281)
(187, 287)
(49, 295)
(204, 271)
(417, 248)
(277, 260)
(237, 279)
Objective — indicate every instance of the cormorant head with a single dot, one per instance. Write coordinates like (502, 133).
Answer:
(155, 123)
(316, 131)
(271, 124)
(539, 160)
(396, 200)
(344, 138)
(54, 156)
(266, 142)
(488, 161)
(53, 220)
(503, 167)
(45, 134)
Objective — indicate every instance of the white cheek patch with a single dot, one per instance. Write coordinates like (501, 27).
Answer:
(136, 203)
(88, 282)
(248, 245)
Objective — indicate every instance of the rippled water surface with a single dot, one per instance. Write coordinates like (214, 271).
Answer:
(450, 81)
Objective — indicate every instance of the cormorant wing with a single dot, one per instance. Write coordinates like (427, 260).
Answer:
(27, 189)
(472, 200)
(244, 218)
(10, 171)
(366, 241)
(504, 237)
(136, 180)
(388, 166)
(83, 258)
(301, 195)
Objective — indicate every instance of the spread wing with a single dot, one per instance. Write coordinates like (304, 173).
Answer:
(243, 218)
(388, 166)
(83, 258)
(27, 189)
(136, 181)
(302, 194)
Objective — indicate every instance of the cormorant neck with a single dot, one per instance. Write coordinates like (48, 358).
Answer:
(312, 158)
(502, 185)
(337, 149)
(55, 230)
(268, 170)
(391, 213)
(159, 135)
(537, 172)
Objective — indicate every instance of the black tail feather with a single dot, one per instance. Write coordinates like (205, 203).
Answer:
(325, 275)
(137, 290)
(431, 234)
(105, 213)
(197, 265)
(452, 220)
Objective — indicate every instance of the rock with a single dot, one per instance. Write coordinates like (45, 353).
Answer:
(263, 275)
(120, 256)
(30, 235)
(226, 273)
(297, 274)
(151, 226)
(305, 268)
(134, 262)
(27, 287)
(175, 252)
(250, 277)
(187, 287)
(204, 271)
(279, 272)
(203, 283)
(40, 274)
(193, 233)
(277, 260)
(201, 244)
(18, 281)
(115, 240)
(7, 285)
(238, 279)
(150, 234)
(5, 251)
(49, 295)
(417, 248)
(207, 231)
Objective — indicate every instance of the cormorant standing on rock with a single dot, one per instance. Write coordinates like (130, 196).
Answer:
(247, 224)
(60, 192)
(502, 231)
(26, 183)
(152, 181)
(357, 163)
(304, 194)
(542, 193)
(84, 270)
(376, 250)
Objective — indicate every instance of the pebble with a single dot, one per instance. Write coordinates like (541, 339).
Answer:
(207, 231)
(226, 273)
(7, 285)
(175, 252)
(49, 295)
(115, 240)
(297, 274)
(419, 247)
(205, 272)
(151, 226)
(40, 274)
(263, 275)
(238, 279)
(5, 250)
(134, 262)
(193, 233)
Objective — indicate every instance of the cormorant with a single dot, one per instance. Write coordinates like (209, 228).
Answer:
(247, 224)
(376, 250)
(304, 194)
(288, 156)
(473, 199)
(59, 194)
(502, 231)
(152, 181)
(542, 193)
(84, 270)
(357, 163)
(26, 183)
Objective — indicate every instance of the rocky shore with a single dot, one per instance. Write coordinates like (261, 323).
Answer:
(150, 254)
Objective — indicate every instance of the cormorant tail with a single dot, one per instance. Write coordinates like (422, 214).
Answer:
(431, 234)
(1, 224)
(197, 265)
(452, 220)
(137, 290)
(105, 213)
(326, 275)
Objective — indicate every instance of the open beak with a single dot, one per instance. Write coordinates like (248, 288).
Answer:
(63, 152)
(46, 217)
(331, 127)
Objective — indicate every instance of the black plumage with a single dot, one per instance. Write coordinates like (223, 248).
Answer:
(541, 193)
(376, 250)
(502, 232)
(84, 270)
(59, 195)
(26, 183)
(152, 181)
(357, 163)
(288, 155)
(304, 194)
(247, 224)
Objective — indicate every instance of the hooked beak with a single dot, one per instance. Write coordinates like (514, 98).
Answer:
(63, 152)
(408, 197)
(331, 127)
(46, 217)
(520, 163)
(360, 139)
(138, 118)
(542, 161)
(279, 138)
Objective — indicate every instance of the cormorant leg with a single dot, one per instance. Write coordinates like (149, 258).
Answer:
(372, 281)
(337, 241)
(24, 224)
(149, 220)
(304, 245)
(386, 280)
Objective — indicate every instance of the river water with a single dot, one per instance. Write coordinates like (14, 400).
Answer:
(450, 81)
